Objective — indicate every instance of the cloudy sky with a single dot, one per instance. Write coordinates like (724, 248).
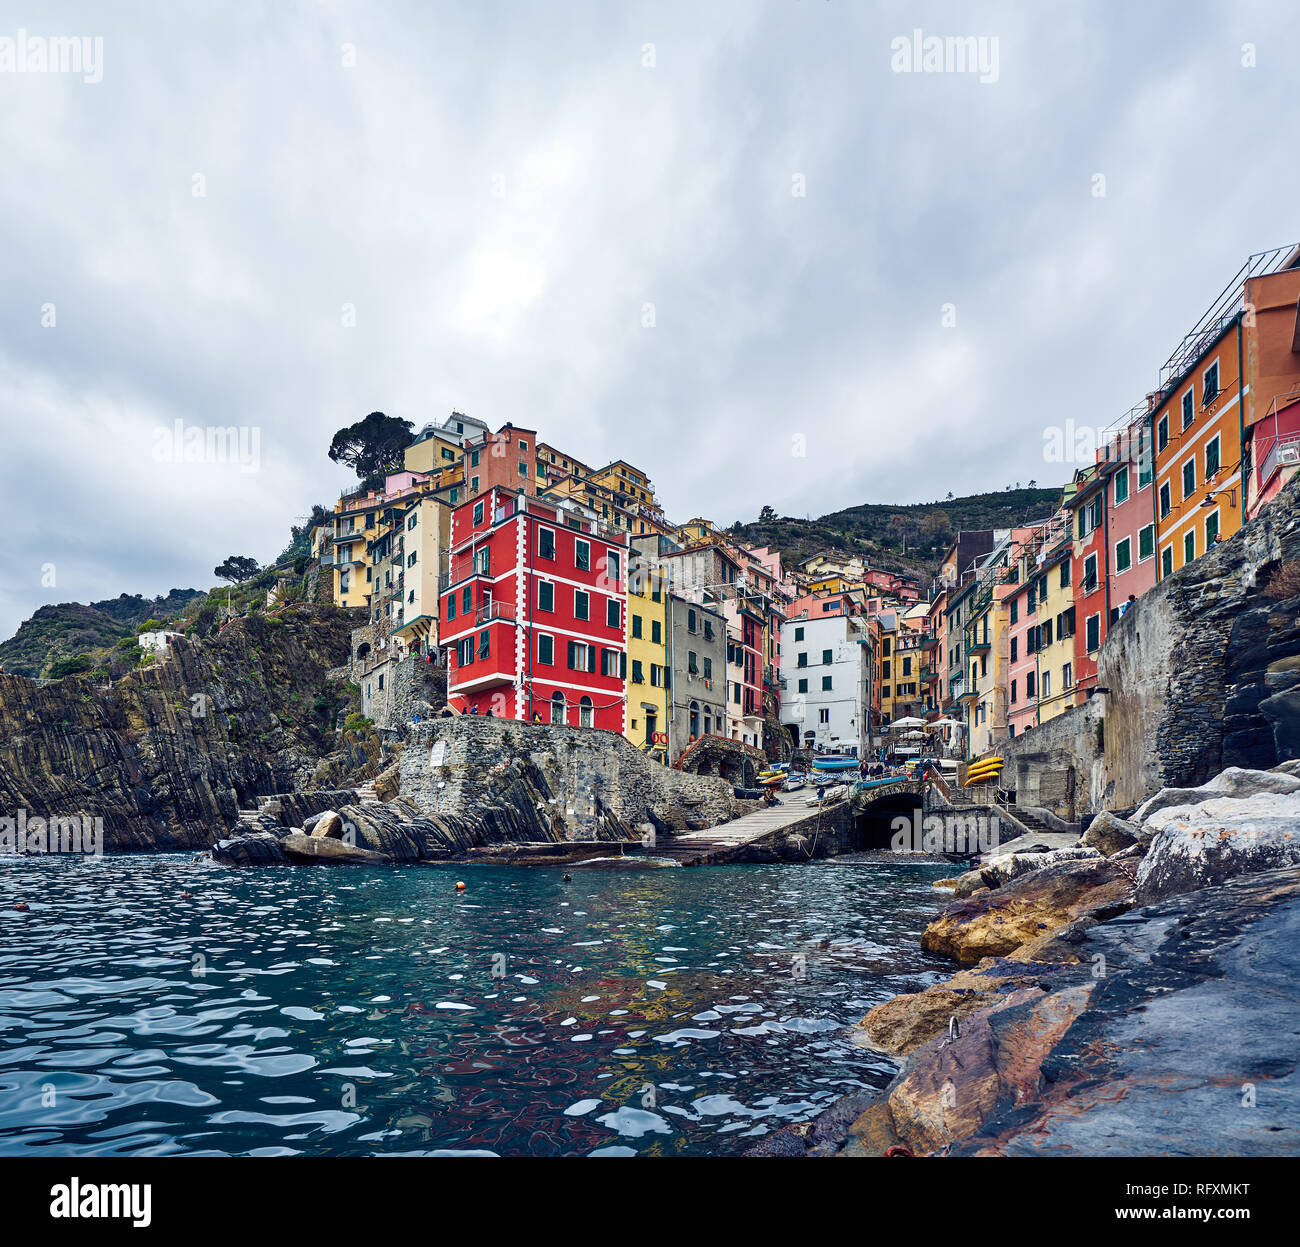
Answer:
(702, 236)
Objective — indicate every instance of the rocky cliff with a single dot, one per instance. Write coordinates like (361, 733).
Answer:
(168, 754)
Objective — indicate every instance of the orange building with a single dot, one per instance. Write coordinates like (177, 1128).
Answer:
(1223, 378)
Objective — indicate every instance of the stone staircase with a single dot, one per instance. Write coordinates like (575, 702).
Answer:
(366, 793)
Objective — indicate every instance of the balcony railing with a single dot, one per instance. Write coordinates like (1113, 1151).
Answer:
(1284, 452)
(495, 611)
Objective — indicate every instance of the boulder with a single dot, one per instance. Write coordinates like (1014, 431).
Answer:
(903, 1024)
(1195, 846)
(1109, 834)
(995, 923)
(1235, 781)
(324, 850)
(329, 823)
(1290, 767)
(261, 848)
(1000, 870)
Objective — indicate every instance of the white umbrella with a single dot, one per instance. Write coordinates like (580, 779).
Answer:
(946, 723)
(907, 721)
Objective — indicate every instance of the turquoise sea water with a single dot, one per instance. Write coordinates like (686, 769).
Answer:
(350, 1012)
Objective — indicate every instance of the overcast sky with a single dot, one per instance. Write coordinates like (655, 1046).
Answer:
(507, 194)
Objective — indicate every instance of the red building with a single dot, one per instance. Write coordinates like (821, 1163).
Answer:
(532, 613)
(1094, 609)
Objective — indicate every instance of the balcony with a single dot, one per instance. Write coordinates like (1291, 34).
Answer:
(495, 612)
(1283, 453)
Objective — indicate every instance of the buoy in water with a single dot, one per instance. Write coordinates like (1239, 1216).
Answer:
(568, 878)
(460, 887)
(22, 907)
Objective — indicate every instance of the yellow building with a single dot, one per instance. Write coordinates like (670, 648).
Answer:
(433, 451)
(647, 659)
(1052, 639)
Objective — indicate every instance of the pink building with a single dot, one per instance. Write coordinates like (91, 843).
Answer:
(1274, 453)
(1131, 522)
(1022, 664)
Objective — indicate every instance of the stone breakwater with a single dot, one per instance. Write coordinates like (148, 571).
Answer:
(468, 785)
(1135, 995)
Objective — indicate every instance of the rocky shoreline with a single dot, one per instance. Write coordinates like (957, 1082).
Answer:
(1134, 995)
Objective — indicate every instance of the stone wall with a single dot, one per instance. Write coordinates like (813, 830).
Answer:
(454, 767)
(1059, 765)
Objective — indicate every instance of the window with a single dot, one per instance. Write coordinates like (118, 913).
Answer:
(611, 662)
(691, 625)
(656, 632)
(557, 708)
(545, 649)
(581, 657)
(1067, 676)
(545, 543)
(803, 686)
(585, 712)
(1029, 683)
(465, 651)
(1146, 542)
(1047, 684)
(1210, 384)
(1124, 555)
(612, 565)
(581, 604)
(1015, 609)
(636, 625)
(1211, 457)
(1145, 466)
(907, 662)
(708, 668)
(1121, 486)
(801, 660)
(656, 675)
(826, 684)
(1211, 528)
(1165, 505)
(798, 634)
(483, 561)
(545, 595)
(1013, 692)
(451, 606)
(1162, 433)
(826, 658)
(1188, 409)
(484, 644)
(1089, 573)
(523, 469)
(1015, 648)
(473, 484)
(692, 662)
(1065, 578)
(1189, 545)
(613, 615)
(478, 514)
(582, 555)
(824, 715)
(466, 599)
(1167, 561)
(1189, 478)
(1092, 632)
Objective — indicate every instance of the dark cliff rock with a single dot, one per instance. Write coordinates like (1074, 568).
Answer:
(168, 754)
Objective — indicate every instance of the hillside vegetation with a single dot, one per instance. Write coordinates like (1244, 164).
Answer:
(910, 538)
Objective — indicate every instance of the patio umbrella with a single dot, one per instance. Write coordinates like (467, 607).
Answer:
(907, 721)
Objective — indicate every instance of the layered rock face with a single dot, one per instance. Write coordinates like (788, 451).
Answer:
(168, 754)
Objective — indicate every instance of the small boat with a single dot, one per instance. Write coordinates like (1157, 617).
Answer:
(794, 783)
(835, 764)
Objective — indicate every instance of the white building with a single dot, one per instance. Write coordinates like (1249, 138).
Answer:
(827, 664)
